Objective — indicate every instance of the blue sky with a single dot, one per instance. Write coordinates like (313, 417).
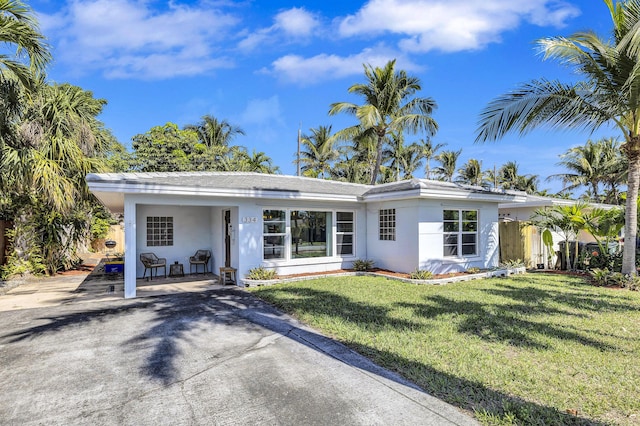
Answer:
(273, 66)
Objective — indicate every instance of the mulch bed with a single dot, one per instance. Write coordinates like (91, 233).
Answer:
(81, 269)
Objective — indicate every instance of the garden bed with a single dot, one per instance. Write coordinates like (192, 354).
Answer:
(435, 280)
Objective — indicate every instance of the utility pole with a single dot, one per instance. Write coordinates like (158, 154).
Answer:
(299, 137)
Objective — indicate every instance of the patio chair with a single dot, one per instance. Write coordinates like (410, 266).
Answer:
(200, 258)
(151, 262)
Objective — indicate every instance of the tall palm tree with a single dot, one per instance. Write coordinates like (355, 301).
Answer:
(411, 160)
(448, 163)
(389, 108)
(429, 150)
(404, 159)
(318, 152)
(471, 173)
(596, 165)
(357, 160)
(608, 94)
(214, 132)
(508, 175)
(19, 28)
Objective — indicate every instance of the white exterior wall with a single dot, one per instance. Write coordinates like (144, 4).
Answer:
(431, 237)
(419, 237)
(400, 255)
(191, 231)
(199, 224)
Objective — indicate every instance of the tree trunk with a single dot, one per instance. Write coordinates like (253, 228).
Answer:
(376, 170)
(631, 214)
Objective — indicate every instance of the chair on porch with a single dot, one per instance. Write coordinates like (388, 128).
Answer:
(200, 258)
(151, 262)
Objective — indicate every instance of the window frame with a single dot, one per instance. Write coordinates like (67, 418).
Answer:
(342, 234)
(160, 231)
(387, 224)
(459, 229)
(332, 234)
(265, 234)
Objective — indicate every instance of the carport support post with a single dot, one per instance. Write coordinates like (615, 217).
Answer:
(130, 259)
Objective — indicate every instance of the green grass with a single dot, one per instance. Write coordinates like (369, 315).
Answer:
(518, 350)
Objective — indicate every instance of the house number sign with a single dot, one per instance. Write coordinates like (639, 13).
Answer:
(249, 219)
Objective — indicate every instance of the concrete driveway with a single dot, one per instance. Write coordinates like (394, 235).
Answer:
(210, 357)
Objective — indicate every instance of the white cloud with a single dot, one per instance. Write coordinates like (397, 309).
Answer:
(452, 25)
(296, 24)
(305, 71)
(125, 38)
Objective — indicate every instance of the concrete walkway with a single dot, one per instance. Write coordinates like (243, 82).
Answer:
(214, 356)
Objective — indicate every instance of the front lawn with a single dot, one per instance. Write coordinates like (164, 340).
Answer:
(529, 349)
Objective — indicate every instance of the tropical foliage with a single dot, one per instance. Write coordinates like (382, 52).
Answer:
(607, 94)
(390, 108)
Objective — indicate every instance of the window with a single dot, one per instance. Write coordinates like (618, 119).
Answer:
(344, 233)
(274, 233)
(159, 231)
(310, 234)
(387, 228)
(460, 236)
(300, 234)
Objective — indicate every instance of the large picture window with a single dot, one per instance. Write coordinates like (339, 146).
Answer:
(460, 237)
(274, 233)
(159, 231)
(387, 224)
(310, 234)
(299, 234)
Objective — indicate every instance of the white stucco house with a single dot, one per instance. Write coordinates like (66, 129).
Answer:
(296, 224)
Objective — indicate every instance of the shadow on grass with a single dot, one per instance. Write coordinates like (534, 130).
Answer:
(468, 395)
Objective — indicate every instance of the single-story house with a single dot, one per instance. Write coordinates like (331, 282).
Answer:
(297, 224)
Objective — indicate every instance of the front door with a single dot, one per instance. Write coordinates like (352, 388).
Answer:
(227, 238)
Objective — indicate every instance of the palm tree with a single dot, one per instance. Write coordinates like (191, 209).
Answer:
(56, 143)
(596, 165)
(471, 173)
(567, 221)
(448, 161)
(404, 159)
(411, 160)
(608, 94)
(429, 152)
(257, 162)
(213, 132)
(318, 152)
(508, 175)
(389, 108)
(19, 28)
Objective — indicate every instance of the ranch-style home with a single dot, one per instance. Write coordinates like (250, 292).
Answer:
(296, 224)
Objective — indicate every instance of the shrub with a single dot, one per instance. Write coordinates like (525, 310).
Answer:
(517, 263)
(421, 274)
(363, 264)
(261, 273)
(600, 276)
(473, 270)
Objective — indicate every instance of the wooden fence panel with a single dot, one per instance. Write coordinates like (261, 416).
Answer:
(512, 243)
(4, 240)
